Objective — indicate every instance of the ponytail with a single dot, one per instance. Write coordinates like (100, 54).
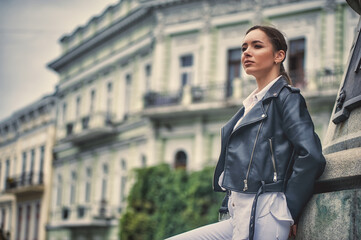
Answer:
(285, 74)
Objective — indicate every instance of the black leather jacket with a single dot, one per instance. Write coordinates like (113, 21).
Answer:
(274, 142)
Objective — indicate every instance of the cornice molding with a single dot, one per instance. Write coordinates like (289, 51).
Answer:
(98, 39)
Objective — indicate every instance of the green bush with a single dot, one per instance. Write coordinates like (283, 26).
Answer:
(164, 202)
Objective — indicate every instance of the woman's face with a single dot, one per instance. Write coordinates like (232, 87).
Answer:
(258, 57)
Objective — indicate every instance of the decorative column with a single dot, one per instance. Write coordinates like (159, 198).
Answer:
(330, 27)
(159, 52)
(258, 13)
(205, 40)
(334, 212)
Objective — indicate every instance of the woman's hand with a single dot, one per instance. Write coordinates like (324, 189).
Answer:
(293, 231)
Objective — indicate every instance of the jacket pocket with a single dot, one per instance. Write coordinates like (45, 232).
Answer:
(273, 160)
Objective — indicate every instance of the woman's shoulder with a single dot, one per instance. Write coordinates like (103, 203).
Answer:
(289, 90)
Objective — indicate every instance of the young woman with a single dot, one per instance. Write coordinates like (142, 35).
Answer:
(270, 155)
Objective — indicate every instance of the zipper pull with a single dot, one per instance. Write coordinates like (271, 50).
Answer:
(245, 185)
(274, 177)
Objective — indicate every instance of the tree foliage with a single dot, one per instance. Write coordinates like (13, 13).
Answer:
(164, 202)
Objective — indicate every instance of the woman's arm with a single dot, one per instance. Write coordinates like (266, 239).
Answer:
(309, 163)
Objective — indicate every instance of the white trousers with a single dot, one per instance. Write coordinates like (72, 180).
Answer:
(267, 228)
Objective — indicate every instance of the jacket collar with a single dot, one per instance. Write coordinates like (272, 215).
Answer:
(257, 113)
(275, 90)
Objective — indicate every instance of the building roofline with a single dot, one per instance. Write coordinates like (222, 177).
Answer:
(28, 108)
(101, 36)
(135, 14)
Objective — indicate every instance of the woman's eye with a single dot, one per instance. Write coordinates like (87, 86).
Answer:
(257, 46)
(243, 49)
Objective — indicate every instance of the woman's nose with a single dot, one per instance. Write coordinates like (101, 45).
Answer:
(246, 52)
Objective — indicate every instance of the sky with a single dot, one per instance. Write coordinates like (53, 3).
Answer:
(29, 39)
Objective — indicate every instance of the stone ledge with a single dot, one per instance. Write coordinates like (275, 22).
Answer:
(346, 163)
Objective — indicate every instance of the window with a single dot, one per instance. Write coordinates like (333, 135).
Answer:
(41, 168)
(59, 191)
(7, 171)
(65, 213)
(32, 166)
(20, 221)
(143, 161)
(148, 73)
(69, 129)
(124, 165)
(88, 184)
(37, 219)
(123, 180)
(92, 101)
(78, 107)
(23, 169)
(109, 98)
(128, 89)
(180, 161)
(81, 212)
(123, 184)
(73, 187)
(234, 68)
(3, 218)
(104, 181)
(28, 219)
(1, 171)
(296, 62)
(186, 69)
(64, 112)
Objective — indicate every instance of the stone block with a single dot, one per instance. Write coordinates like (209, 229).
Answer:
(333, 215)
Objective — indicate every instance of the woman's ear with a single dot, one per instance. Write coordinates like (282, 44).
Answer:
(279, 56)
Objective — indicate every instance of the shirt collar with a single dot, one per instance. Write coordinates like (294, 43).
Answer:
(255, 97)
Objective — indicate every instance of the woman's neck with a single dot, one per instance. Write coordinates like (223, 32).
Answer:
(264, 81)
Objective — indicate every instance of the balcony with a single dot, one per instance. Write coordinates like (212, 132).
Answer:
(26, 183)
(320, 85)
(196, 99)
(87, 215)
(89, 127)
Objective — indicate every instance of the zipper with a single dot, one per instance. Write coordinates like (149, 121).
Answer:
(245, 181)
(273, 161)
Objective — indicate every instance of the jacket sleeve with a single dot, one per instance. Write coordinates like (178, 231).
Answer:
(309, 163)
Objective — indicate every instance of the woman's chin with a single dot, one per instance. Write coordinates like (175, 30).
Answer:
(249, 72)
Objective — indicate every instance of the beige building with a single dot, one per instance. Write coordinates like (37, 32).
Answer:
(26, 145)
(151, 81)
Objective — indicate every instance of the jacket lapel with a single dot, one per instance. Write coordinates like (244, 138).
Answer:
(228, 127)
(257, 113)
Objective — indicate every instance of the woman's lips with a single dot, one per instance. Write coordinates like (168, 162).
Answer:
(248, 62)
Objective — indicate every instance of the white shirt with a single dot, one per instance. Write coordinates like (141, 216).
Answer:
(240, 204)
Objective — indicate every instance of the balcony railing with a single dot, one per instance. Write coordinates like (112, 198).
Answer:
(215, 92)
(29, 181)
(329, 78)
(320, 80)
(88, 127)
(83, 215)
(161, 99)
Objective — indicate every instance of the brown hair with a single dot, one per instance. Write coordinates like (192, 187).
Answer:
(278, 42)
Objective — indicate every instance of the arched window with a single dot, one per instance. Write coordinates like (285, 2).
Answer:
(180, 161)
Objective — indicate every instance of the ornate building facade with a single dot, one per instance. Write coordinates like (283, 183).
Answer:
(26, 153)
(151, 81)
